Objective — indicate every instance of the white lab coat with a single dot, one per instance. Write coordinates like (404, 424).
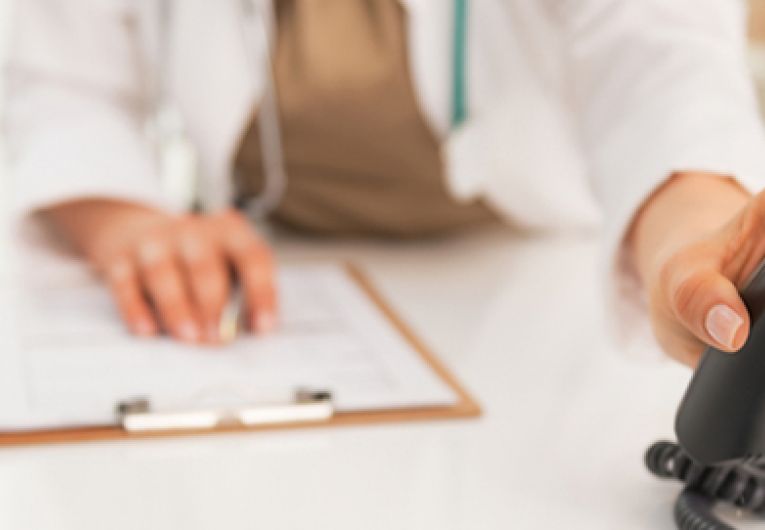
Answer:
(567, 100)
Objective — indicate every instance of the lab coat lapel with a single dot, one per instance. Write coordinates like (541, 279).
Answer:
(430, 34)
(218, 100)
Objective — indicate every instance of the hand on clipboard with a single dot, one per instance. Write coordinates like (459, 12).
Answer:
(341, 356)
(172, 273)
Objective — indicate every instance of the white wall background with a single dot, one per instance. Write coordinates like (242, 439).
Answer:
(5, 8)
(5, 23)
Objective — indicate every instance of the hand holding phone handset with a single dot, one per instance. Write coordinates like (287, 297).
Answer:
(720, 426)
(722, 416)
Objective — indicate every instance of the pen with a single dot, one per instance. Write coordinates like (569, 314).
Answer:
(231, 318)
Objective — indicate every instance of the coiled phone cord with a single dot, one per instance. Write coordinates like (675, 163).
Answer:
(741, 484)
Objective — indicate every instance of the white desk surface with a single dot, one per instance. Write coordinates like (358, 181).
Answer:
(560, 444)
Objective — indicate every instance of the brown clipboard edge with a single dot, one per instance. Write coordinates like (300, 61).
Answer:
(466, 407)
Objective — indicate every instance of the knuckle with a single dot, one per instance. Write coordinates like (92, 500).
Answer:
(670, 268)
(197, 250)
(119, 272)
(153, 253)
(164, 282)
(685, 293)
(677, 276)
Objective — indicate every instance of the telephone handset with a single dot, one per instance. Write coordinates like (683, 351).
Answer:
(720, 427)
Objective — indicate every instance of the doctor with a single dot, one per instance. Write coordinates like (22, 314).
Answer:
(396, 119)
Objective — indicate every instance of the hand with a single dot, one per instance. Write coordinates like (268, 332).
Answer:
(172, 273)
(693, 286)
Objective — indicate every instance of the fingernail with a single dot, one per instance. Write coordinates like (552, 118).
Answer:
(188, 332)
(144, 328)
(723, 323)
(265, 322)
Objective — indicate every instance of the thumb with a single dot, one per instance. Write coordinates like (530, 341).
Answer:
(709, 306)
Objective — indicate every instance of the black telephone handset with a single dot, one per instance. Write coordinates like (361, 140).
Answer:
(722, 416)
(720, 426)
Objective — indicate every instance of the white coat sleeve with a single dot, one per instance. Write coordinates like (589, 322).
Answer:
(76, 99)
(661, 86)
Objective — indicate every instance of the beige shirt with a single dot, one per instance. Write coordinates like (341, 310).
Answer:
(359, 156)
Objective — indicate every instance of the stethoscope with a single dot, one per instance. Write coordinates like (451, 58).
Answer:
(259, 24)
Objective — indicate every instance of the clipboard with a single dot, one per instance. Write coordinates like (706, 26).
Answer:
(311, 409)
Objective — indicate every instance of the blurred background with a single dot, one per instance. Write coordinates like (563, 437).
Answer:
(757, 34)
(757, 59)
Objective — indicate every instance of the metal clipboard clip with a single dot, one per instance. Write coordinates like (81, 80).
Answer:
(309, 406)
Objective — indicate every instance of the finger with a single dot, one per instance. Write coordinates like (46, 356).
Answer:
(208, 279)
(123, 281)
(684, 349)
(254, 266)
(744, 241)
(165, 284)
(675, 339)
(708, 304)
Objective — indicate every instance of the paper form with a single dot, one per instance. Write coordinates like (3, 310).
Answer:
(77, 361)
